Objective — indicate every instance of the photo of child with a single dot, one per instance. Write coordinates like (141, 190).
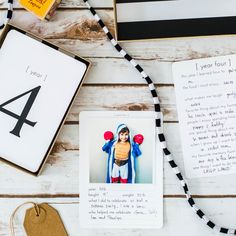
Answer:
(121, 170)
(120, 147)
(122, 150)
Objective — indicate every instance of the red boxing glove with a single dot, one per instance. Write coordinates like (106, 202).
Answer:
(138, 138)
(108, 135)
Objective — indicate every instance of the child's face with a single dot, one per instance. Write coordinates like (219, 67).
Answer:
(124, 136)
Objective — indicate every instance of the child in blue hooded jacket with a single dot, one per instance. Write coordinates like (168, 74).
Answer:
(122, 153)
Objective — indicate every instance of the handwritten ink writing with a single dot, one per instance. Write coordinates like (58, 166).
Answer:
(206, 100)
(119, 206)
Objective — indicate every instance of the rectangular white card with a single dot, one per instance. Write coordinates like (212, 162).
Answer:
(38, 84)
(146, 19)
(105, 200)
(206, 103)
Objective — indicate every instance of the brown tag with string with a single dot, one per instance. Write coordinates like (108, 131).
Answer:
(43, 220)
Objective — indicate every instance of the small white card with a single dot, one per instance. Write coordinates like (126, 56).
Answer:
(206, 103)
(120, 172)
(38, 84)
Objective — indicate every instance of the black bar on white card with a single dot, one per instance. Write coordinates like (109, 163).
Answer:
(176, 28)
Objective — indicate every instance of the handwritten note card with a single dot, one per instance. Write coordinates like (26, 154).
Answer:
(104, 204)
(124, 207)
(206, 103)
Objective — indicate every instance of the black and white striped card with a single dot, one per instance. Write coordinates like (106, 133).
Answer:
(147, 19)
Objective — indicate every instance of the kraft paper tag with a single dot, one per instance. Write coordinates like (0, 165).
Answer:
(43, 220)
(39, 7)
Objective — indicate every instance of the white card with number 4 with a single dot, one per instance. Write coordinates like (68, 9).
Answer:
(38, 84)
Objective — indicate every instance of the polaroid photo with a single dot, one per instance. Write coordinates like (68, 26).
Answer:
(148, 19)
(121, 173)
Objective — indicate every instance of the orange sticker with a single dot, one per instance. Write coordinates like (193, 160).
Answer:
(38, 7)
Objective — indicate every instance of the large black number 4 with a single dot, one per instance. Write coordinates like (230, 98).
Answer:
(21, 118)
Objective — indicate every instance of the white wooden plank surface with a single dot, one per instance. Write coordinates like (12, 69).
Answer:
(119, 71)
(59, 178)
(74, 28)
(126, 98)
(60, 175)
(177, 222)
(78, 31)
(162, 50)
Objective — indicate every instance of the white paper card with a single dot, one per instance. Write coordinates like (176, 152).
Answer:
(206, 104)
(37, 86)
(103, 203)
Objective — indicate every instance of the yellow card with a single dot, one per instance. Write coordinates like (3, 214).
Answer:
(39, 7)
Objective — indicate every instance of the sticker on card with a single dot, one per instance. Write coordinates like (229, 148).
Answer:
(121, 175)
(43, 9)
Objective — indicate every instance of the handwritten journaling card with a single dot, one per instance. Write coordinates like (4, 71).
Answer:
(120, 171)
(206, 103)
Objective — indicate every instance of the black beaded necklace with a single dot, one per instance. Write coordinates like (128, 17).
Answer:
(9, 14)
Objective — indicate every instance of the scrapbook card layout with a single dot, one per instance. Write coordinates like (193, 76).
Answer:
(146, 19)
(120, 171)
(206, 104)
(38, 85)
